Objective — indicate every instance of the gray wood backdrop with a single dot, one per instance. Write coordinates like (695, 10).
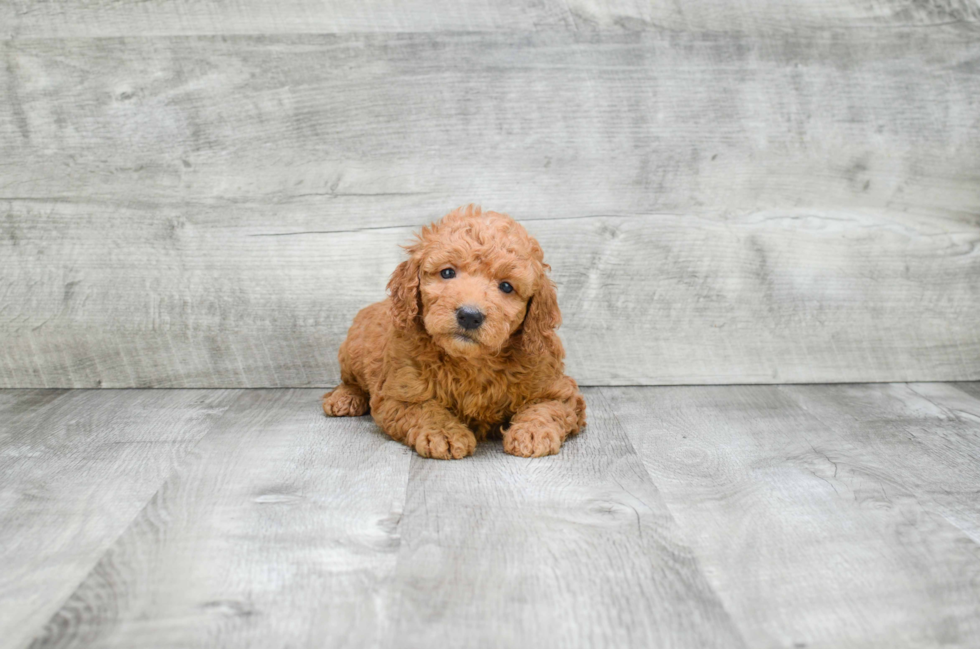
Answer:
(203, 194)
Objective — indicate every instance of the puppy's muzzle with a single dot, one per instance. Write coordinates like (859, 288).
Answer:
(469, 317)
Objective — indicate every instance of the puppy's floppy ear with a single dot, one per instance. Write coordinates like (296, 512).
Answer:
(542, 317)
(404, 290)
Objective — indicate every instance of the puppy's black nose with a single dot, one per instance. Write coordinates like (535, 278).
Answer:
(469, 317)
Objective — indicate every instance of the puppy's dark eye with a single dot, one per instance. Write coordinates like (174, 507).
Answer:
(448, 273)
(506, 288)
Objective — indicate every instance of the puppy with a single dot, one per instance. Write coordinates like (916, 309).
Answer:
(464, 347)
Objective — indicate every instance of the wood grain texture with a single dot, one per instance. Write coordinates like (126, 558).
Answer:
(288, 529)
(812, 533)
(75, 469)
(972, 389)
(656, 299)
(541, 125)
(729, 516)
(574, 550)
(105, 18)
(928, 434)
(717, 208)
(278, 533)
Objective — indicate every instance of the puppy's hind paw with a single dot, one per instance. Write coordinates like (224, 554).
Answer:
(345, 401)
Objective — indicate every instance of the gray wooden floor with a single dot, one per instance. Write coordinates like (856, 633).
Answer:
(766, 516)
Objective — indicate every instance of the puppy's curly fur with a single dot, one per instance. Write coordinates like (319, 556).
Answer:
(439, 387)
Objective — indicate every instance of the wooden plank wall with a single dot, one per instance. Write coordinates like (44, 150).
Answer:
(203, 195)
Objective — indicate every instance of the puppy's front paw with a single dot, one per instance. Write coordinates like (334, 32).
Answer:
(453, 443)
(532, 440)
(345, 401)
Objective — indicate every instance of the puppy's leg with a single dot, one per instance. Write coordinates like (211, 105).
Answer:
(345, 400)
(540, 428)
(427, 427)
(349, 399)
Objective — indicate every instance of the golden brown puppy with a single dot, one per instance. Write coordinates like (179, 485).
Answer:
(464, 347)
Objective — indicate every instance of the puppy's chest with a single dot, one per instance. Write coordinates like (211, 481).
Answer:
(485, 397)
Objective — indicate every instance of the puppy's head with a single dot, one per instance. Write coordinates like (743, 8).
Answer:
(476, 282)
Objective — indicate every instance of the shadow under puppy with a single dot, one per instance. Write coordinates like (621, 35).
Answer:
(464, 347)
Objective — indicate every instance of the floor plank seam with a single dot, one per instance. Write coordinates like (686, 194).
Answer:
(690, 546)
(188, 453)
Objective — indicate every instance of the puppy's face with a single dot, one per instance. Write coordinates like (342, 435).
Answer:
(472, 305)
(476, 273)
